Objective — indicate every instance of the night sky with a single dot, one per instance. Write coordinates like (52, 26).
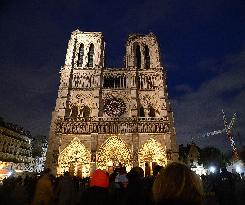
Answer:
(202, 45)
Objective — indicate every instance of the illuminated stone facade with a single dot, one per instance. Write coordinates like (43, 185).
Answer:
(111, 115)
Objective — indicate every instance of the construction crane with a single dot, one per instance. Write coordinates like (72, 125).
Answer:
(228, 130)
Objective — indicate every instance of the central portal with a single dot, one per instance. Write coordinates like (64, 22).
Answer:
(114, 152)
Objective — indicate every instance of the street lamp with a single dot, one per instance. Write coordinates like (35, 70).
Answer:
(212, 169)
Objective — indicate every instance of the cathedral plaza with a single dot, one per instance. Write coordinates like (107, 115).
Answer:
(108, 117)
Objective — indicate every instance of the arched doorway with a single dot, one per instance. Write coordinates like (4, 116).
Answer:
(75, 158)
(114, 152)
(152, 153)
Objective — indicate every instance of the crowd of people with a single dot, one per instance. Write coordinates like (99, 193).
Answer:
(174, 184)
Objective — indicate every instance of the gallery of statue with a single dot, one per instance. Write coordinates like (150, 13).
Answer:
(107, 117)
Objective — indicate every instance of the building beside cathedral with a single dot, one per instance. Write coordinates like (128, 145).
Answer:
(111, 116)
(20, 152)
(15, 143)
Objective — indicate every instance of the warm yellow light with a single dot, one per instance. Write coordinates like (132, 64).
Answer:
(76, 157)
(152, 151)
(114, 151)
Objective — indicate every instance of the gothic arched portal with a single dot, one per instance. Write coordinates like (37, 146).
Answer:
(114, 151)
(152, 152)
(74, 158)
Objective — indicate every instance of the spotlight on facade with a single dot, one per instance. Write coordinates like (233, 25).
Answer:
(212, 169)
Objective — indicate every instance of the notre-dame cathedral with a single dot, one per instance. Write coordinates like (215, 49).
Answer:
(106, 117)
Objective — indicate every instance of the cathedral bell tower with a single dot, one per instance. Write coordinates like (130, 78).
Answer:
(142, 52)
(109, 117)
(79, 90)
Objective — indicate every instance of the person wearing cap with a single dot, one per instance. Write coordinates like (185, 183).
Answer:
(98, 192)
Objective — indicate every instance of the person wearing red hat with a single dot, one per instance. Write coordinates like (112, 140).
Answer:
(98, 192)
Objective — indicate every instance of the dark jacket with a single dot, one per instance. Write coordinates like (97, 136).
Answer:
(96, 196)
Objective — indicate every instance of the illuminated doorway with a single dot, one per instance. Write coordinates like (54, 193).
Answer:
(114, 152)
(75, 159)
(151, 154)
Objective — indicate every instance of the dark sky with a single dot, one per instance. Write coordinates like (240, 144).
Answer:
(202, 45)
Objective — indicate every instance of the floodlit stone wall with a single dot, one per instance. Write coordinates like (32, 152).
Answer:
(98, 106)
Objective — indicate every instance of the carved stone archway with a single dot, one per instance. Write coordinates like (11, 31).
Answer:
(114, 151)
(75, 158)
(152, 152)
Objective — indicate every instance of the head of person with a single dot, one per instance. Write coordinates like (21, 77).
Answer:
(135, 173)
(99, 179)
(156, 170)
(177, 184)
(223, 169)
(46, 171)
(66, 174)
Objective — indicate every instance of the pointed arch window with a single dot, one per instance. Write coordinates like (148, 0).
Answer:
(90, 55)
(86, 112)
(142, 112)
(74, 112)
(152, 112)
(147, 57)
(138, 57)
(80, 55)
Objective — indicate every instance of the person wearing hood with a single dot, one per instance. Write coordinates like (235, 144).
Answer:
(176, 184)
(98, 192)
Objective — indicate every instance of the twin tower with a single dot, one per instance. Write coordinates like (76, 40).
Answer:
(109, 117)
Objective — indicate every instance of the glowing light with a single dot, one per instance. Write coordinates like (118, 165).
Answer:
(212, 169)
(114, 150)
(18, 171)
(9, 173)
(110, 164)
(198, 169)
(76, 158)
(152, 151)
(238, 169)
